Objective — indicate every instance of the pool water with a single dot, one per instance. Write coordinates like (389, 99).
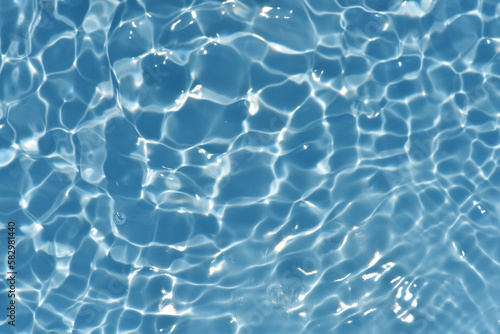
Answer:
(251, 167)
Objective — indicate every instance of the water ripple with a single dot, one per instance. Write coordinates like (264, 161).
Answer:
(302, 167)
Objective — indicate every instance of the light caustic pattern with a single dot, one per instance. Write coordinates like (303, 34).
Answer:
(252, 166)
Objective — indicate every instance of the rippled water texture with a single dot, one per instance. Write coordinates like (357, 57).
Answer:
(251, 167)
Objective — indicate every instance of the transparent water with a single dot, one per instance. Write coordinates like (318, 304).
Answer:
(248, 166)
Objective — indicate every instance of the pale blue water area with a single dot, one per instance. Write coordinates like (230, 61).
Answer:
(251, 167)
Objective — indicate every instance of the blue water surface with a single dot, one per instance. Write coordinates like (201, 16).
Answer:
(251, 167)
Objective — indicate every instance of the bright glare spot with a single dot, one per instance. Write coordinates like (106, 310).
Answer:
(316, 77)
(343, 91)
(23, 203)
(253, 100)
(307, 273)
(368, 276)
(175, 24)
(168, 310)
(409, 318)
(343, 278)
(370, 311)
(216, 268)
(279, 247)
(399, 294)
(373, 116)
(30, 145)
(395, 279)
(408, 295)
(389, 265)
(375, 259)
(397, 308)
(344, 307)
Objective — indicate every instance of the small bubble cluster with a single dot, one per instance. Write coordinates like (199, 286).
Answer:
(119, 218)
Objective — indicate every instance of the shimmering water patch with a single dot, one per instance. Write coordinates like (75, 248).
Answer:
(302, 167)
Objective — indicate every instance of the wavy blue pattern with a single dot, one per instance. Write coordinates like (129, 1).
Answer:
(244, 167)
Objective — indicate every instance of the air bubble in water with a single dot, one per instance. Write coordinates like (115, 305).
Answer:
(119, 218)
